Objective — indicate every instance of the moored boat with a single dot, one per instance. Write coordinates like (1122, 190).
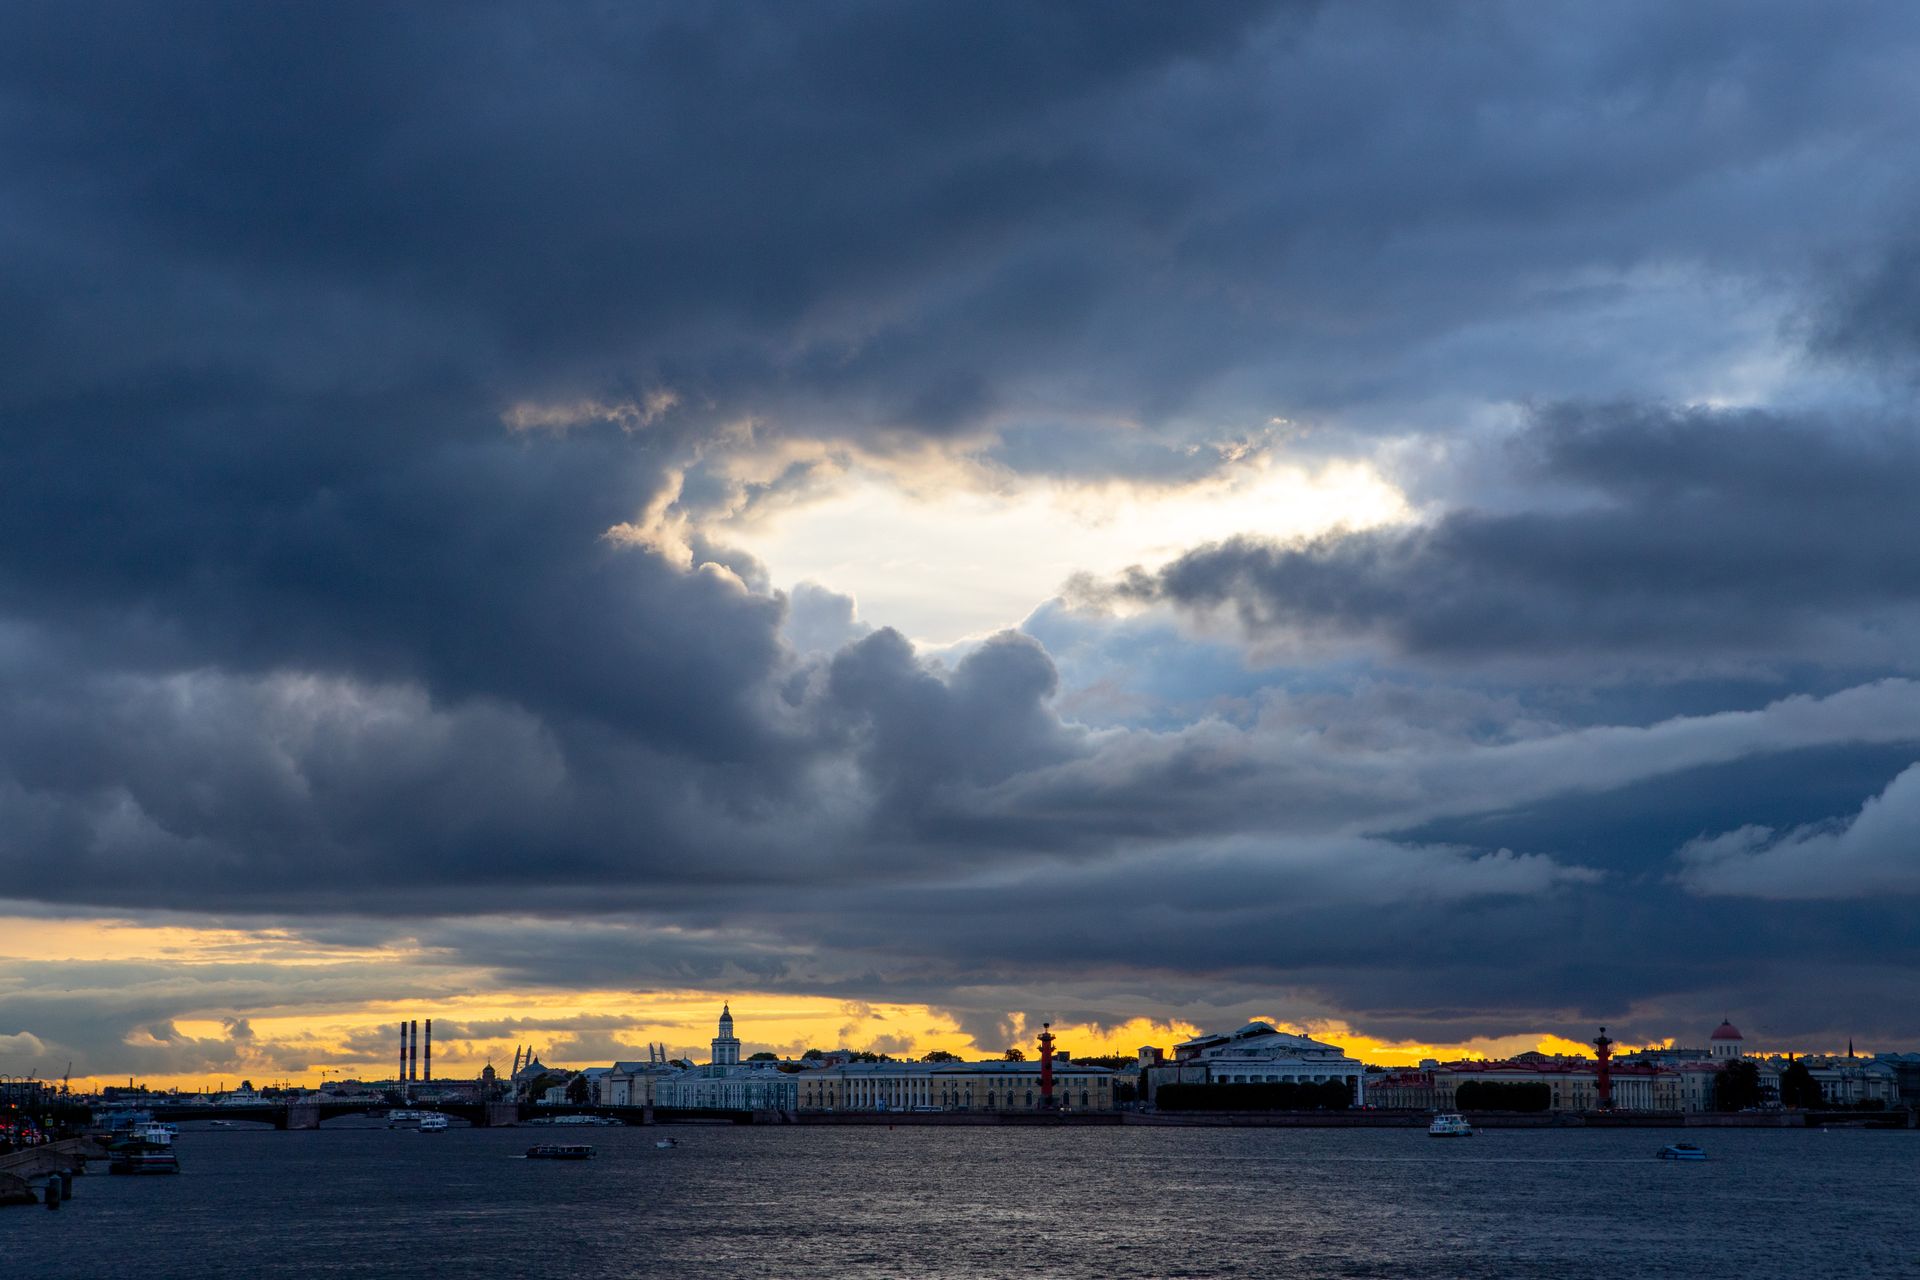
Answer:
(1450, 1124)
(147, 1148)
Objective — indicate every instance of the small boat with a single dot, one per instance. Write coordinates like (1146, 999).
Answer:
(1450, 1124)
(433, 1122)
(1680, 1151)
(402, 1118)
(666, 1144)
(560, 1151)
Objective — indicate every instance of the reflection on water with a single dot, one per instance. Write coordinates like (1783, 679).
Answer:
(870, 1202)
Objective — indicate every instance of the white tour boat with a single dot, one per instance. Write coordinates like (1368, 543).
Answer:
(1680, 1151)
(433, 1122)
(1450, 1124)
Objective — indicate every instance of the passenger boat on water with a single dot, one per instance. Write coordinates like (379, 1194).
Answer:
(1450, 1124)
(433, 1122)
(560, 1151)
(1680, 1151)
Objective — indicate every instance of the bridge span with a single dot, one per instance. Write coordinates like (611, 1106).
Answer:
(310, 1113)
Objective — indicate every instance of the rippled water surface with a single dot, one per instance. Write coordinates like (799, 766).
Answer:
(867, 1202)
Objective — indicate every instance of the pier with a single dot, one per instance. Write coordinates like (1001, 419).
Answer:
(30, 1176)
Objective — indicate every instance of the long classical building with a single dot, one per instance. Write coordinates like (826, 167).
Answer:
(953, 1086)
(1573, 1083)
(1257, 1054)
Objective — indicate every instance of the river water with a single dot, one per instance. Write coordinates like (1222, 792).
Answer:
(853, 1203)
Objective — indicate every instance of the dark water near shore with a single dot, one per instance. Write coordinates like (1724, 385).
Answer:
(870, 1202)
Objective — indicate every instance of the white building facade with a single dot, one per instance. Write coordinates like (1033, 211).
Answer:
(727, 1084)
(995, 1086)
(1261, 1054)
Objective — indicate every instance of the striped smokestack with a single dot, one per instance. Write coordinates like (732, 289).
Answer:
(402, 1076)
(413, 1053)
(429, 1062)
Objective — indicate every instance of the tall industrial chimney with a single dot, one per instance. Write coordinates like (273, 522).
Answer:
(429, 1063)
(401, 1078)
(413, 1053)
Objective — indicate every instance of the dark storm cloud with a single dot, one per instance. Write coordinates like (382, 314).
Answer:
(1874, 317)
(920, 223)
(369, 370)
(536, 196)
(1677, 535)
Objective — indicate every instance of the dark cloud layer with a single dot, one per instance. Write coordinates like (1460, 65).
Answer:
(1681, 534)
(375, 373)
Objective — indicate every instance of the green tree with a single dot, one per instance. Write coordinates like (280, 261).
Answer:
(812, 1055)
(537, 1087)
(1798, 1088)
(1737, 1087)
(1502, 1095)
(941, 1055)
(1111, 1061)
(763, 1057)
(1014, 1055)
(1289, 1095)
(579, 1091)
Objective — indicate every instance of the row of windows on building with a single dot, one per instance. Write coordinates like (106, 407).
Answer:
(1281, 1079)
(1022, 1093)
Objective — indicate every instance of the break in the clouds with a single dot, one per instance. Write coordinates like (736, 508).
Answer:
(1662, 535)
(652, 490)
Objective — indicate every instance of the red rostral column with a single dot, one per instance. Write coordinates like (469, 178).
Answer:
(1603, 1047)
(1046, 1066)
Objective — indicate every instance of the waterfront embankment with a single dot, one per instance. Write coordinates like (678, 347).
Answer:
(24, 1173)
(1899, 1119)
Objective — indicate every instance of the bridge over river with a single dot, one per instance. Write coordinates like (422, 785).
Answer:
(311, 1112)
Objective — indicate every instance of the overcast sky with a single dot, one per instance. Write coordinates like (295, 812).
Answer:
(1382, 516)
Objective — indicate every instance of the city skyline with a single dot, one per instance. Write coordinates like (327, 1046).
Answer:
(465, 1044)
(1392, 519)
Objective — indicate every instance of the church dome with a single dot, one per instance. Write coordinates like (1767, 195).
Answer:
(1727, 1031)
